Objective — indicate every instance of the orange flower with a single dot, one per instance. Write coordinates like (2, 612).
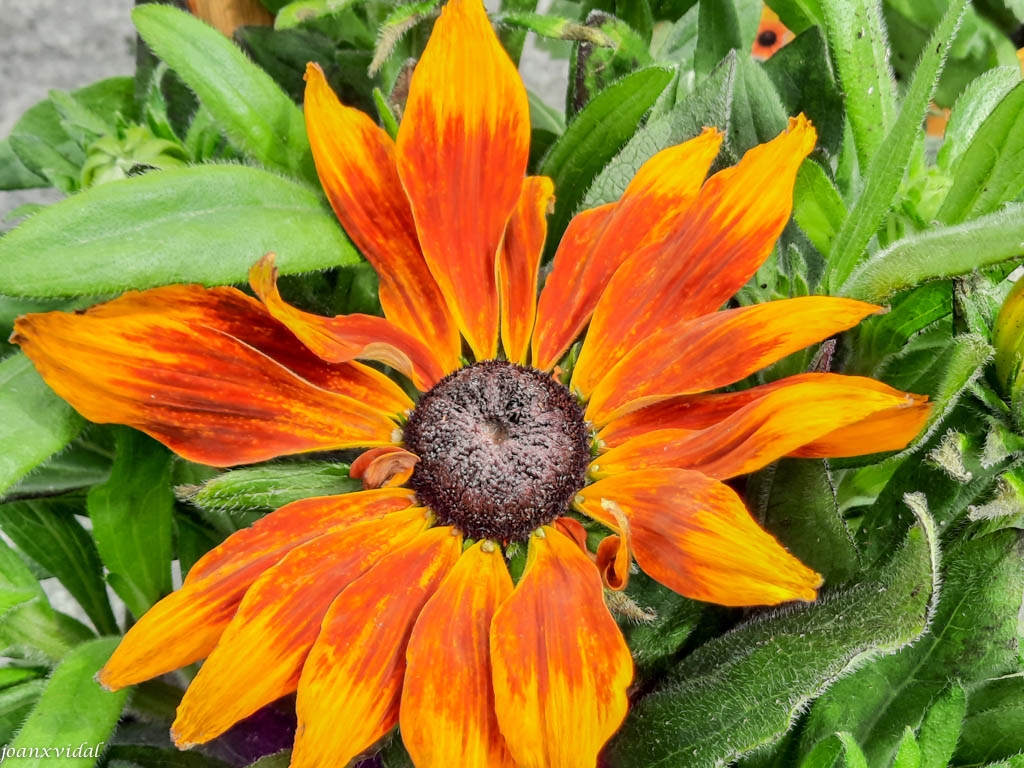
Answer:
(395, 605)
(772, 34)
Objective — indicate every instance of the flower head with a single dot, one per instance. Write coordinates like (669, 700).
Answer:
(395, 604)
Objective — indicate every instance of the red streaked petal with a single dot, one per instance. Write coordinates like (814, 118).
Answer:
(447, 712)
(561, 666)
(718, 349)
(346, 337)
(462, 152)
(889, 430)
(186, 625)
(769, 428)
(383, 467)
(694, 535)
(715, 245)
(351, 682)
(259, 657)
(518, 262)
(205, 394)
(664, 189)
(355, 159)
(573, 287)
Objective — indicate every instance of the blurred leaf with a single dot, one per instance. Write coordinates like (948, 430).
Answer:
(798, 15)
(161, 228)
(256, 114)
(938, 254)
(16, 702)
(742, 691)
(941, 726)
(142, 756)
(193, 540)
(27, 621)
(971, 109)
(887, 159)
(722, 26)
(989, 172)
(594, 137)
(36, 422)
(57, 541)
(757, 113)
(972, 637)
(595, 65)
(73, 709)
(817, 207)
(131, 517)
(82, 465)
(994, 726)
(13, 173)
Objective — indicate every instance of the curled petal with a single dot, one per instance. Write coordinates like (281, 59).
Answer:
(561, 666)
(383, 467)
(447, 713)
(715, 245)
(779, 423)
(598, 241)
(351, 682)
(355, 159)
(572, 528)
(186, 625)
(614, 553)
(346, 337)
(462, 151)
(259, 657)
(207, 395)
(518, 262)
(694, 535)
(719, 349)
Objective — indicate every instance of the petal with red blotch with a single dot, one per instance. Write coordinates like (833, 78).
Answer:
(719, 349)
(351, 682)
(716, 244)
(598, 241)
(206, 395)
(462, 150)
(346, 337)
(447, 712)
(259, 657)
(694, 535)
(186, 625)
(561, 666)
(518, 262)
(773, 426)
(383, 467)
(355, 159)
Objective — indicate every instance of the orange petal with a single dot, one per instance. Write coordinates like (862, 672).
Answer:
(355, 159)
(186, 625)
(572, 528)
(518, 262)
(561, 667)
(447, 712)
(716, 244)
(382, 467)
(889, 430)
(772, 34)
(346, 337)
(598, 241)
(259, 657)
(210, 397)
(351, 682)
(462, 152)
(777, 424)
(694, 535)
(719, 349)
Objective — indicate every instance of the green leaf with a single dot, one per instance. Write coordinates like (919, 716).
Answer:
(887, 159)
(595, 65)
(981, 588)
(973, 106)
(722, 26)
(882, 335)
(941, 727)
(143, 756)
(796, 500)
(27, 622)
(989, 172)
(57, 541)
(13, 173)
(131, 517)
(908, 754)
(757, 112)
(256, 114)
(854, 755)
(824, 755)
(938, 254)
(859, 46)
(594, 137)
(73, 711)
(742, 691)
(994, 726)
(817, 207)
(84, 464)
(36, 422)
(161, 228)
(798, 15)
(16, 702)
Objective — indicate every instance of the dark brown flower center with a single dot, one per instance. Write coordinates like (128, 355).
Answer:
(502, 450)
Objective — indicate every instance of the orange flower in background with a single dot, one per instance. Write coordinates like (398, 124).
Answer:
(772, 34)
(395, 605)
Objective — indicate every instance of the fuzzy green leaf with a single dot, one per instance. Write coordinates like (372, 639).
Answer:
(817, 207)
(994, 726)
(971, 109)
(16, 702)
(941, 727)
(164, 227)
(722, 26)
(256, 114)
